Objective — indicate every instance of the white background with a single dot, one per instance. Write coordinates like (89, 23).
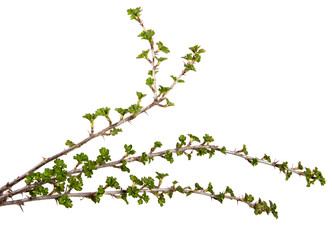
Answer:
(264, 81)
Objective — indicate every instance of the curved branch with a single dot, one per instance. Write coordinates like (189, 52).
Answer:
(161, 154)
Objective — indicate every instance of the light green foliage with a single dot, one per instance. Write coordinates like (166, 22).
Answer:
(169, 156)
(162, 48)
(112, 182)
(69, 143)
(134, 13)
(254, 162)
(64, 182)
(144, 54)
(102, 111)
(75, 182)
(129, 149)
(90, 117)
(124, 167)
(147, 35)
(65, 201)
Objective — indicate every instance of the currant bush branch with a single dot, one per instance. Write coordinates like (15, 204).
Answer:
(182, 148)
(63, 182)
(148, 186)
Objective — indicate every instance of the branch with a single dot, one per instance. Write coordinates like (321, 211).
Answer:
(259, 206)
(183, 148)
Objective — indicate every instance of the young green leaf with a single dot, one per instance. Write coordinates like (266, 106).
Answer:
(162, 48)
(65, 201)
(124, 167)
(69, 143)
(112, 182)
(147, 35)
(102, 111)
(81, 157)
(90, 117)
(134, 13)
(140, 96)
(169, 156)
(207, 138)
(144, 54)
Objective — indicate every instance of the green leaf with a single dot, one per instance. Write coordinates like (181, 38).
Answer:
(212, 152)
(179, 189)
(145, 197)
(194, 138)
(121, 111)
(75, 182)
(140, 95)
(147, 35)
(299, 166)
(136, 180)
(161, 59)
(273, 208)
(207, 138)
(244, 149)
(161, 176)
(129, 149)
(59, 187)
(104, 152)
(102, 112)
(176, 79)
(170, 194)
(47, 175)
(182, 139)
(30, 178)
(65, 201)
(134, 109)
(112, 182)
(210, 188)
(169, 156)
(201, 50)
(133, 191)
(220, 197)
(157, 144)
(188, 57)
(161, 200)
(90, 117)
(283, 167)
(163, 90)
(189, 67)
(115, 131)
(134, 13)
(162, 48)
(202, 151)
(288, 175)
(149, 182)
(124, 168)
(254, 162)
(198, 187)
(60, 163)
(69, 143)
(248, 198)
(104, 156)
(267, 158)
(195, 48)
(230, 191)
(149, 81)
(144, 54)
(223, 150)
(81, 157)
(124, 197)
(88, 167)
